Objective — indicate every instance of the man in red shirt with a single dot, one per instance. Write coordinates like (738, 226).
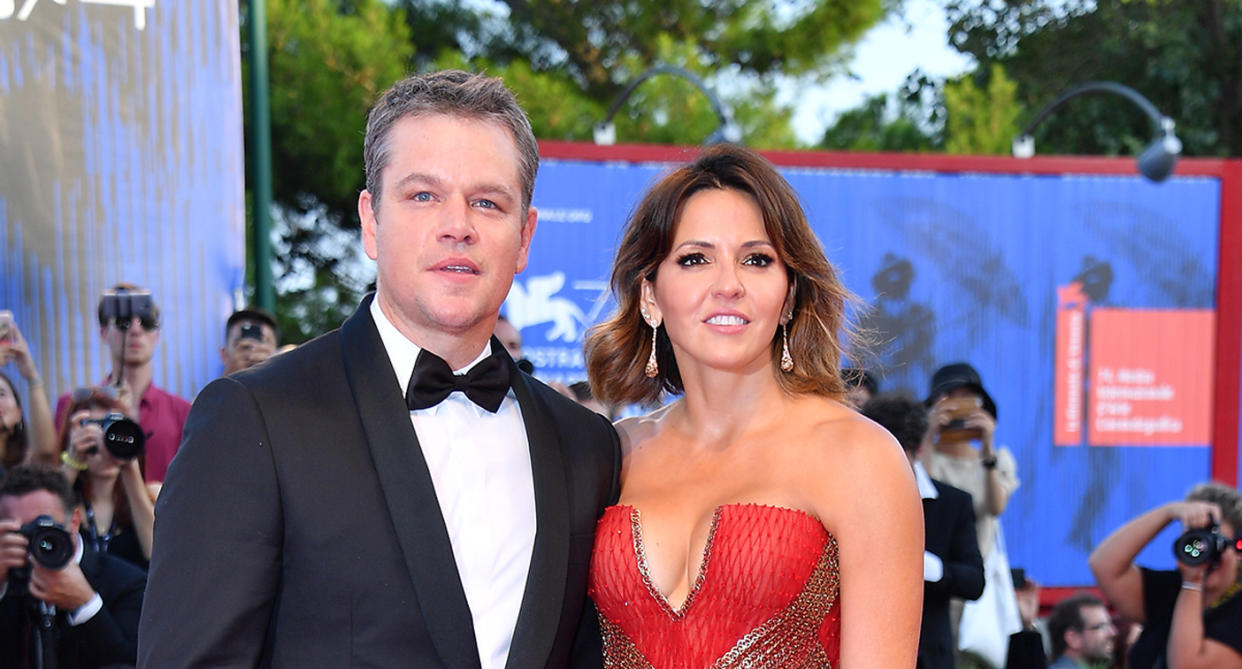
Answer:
(129, 325)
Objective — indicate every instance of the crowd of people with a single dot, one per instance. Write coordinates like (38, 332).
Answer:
(404, 492)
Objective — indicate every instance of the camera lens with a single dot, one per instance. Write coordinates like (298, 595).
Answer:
(50, 544)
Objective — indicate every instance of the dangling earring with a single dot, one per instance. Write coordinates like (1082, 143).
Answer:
(786, 359)
(653, 367)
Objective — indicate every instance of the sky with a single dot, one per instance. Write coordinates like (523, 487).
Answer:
(882, 59)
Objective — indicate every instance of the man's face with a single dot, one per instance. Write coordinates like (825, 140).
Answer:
(134, 345)
(449, 231)
(1098, 635)
(243, 350)
(25, 508)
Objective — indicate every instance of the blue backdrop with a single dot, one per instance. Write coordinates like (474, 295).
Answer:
(957, 267)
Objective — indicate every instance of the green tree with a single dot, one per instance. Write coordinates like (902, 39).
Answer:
(1186, 57)
(981, 120)
(566, 60)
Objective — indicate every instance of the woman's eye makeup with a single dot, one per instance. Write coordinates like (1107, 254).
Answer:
(759, 259)
(689, 259)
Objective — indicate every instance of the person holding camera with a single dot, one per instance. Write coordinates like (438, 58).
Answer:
(1191, 617)
(129, 324)
(63, 604)
(962, 418)
(250, 337)
(17, 434)
(105, 468)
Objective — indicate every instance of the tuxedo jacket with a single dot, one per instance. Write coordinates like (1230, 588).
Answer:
(299, 526)
(108, 638)
(949, 534)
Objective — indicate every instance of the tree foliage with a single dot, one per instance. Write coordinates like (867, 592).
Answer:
(565, 59)
(1186, 57)
(981, 120)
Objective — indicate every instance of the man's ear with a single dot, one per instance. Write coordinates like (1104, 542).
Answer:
(527, 233)
(366, 215)
(647, 303)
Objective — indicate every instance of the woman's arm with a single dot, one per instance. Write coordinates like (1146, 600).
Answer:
(43, 433)
(141, 508)
(81, 438)
(1188, 647)
(1112, 562)
(866, 494)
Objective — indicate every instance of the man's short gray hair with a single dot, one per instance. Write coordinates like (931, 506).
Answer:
(451, 93)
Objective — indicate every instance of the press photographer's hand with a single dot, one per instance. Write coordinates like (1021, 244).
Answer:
(66, 588)
(13, 546)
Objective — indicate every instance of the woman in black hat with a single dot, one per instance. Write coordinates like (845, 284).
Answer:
(963, 425)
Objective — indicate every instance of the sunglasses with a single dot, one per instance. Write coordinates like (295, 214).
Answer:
(147, 322)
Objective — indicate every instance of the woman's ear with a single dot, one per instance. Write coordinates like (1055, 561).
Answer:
(788, 306)
(647, 304)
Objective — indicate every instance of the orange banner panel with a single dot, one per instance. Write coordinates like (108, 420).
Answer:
(1151, 377)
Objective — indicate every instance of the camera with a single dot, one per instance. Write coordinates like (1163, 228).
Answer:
(51, 547)
(251, 331)
(122, 437)
(958, 410)
(121, 307)
(1202, 545)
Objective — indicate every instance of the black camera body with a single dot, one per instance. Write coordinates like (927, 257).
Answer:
(122, 437)
(122, 306)
(1201, 545)
(51, 547)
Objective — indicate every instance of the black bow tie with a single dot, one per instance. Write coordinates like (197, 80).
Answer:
(486, 384)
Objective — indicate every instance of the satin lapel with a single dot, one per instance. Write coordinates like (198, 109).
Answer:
(409, 491)
(549, 561)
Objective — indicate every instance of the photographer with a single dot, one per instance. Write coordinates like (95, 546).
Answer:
(117, 507)
(129, 325)
(16, 433)
(250, 337)
(1191, 617)
(91, 603)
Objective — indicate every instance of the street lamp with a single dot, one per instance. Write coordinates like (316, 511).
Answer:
(1155, 162)
(726, 131)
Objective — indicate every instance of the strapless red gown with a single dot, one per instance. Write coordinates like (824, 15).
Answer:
(766, 594)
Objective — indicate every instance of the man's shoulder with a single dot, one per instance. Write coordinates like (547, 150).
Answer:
(111, 576)
(1064, 662)
(295, 367)
(951, 494)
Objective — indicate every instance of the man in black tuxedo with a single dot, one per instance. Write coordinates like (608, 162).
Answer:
(952, 566)
(92, 602)
(395, 493)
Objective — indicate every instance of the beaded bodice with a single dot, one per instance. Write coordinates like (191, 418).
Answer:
(766, 594)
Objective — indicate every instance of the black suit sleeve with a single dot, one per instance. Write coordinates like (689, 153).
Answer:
(111, 635)
(216, 561)
(963, 565)
(1026, 651)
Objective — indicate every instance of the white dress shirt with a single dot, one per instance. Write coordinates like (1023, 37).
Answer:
(933, 566)
(480, 466)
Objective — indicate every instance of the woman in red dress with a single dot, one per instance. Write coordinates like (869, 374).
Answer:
(762, 522)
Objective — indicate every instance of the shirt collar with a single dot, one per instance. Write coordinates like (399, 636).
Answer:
(926, 489)
(402, 352)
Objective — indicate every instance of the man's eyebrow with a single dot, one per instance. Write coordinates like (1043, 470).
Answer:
(418, 178)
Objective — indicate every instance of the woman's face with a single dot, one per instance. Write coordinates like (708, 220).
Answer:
(722, 291)
(98, 461)
(10, 413)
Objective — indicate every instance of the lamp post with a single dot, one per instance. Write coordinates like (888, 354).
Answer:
(1155, 162)
(726, 131)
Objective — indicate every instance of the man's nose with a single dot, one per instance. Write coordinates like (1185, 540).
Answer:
(455, 224)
